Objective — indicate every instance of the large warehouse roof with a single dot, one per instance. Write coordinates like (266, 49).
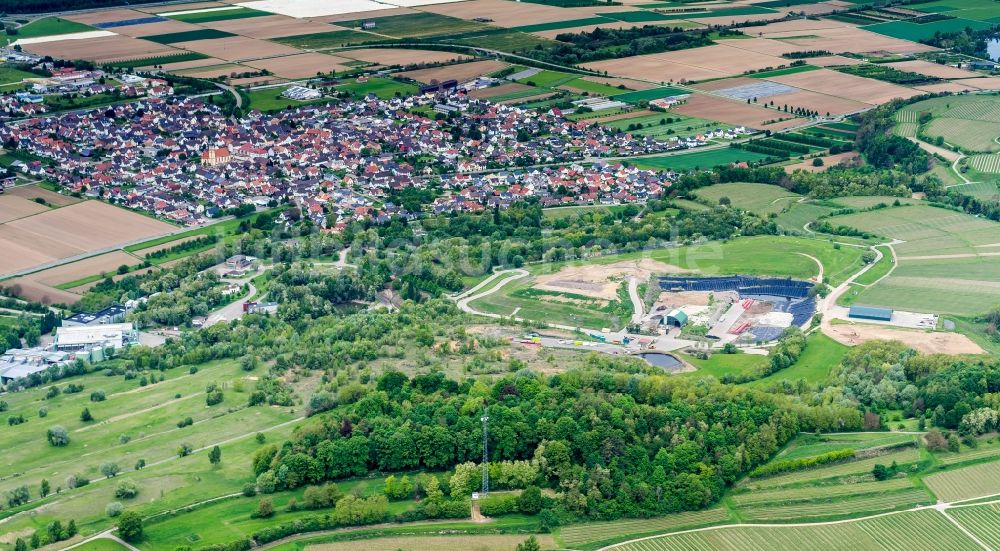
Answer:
(868, 312)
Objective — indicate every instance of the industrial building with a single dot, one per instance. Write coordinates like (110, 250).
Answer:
(112, 314)
(113, 335)
(676, 318)
(17, 363)
(870, 313)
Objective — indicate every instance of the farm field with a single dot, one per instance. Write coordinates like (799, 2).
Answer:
(979, 480)
(982, 520)
(209, 16)
(49, 26)
(760, 199)
(917, 531)
(592, 535)
(72, 230)
(926, 230)
(698, 159)
(971, 122)
(665, 127)
(435, 543)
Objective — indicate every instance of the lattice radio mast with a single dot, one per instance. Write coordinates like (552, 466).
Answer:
(486, 453)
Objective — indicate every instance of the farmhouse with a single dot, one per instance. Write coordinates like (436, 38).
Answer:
(115, 335)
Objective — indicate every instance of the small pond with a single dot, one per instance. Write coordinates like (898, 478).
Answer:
(668, 362)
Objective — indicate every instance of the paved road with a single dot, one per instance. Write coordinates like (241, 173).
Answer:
(637, 305)
(233, 310)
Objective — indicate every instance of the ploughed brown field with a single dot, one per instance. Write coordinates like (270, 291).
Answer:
(70, 231)
(460, 72)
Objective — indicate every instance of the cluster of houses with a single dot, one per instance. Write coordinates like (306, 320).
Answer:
(30, 100)
(183, 160)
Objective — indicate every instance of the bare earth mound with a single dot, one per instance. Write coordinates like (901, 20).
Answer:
(928, 343)
(601, 280)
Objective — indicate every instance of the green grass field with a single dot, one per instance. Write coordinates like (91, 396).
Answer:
(332, 39)
(48, 26)
(785, 71)
(762, 199)
(187, 36)
(148, 415)
(720, 365)
(698, 159)
(664, 126)
(418, 25)
(10, 75)
(835, 471)
(651, 94)
(915, 32)
(981, 10)
(382, 87)
(821, 355)
(220, 15)
(798, 215)
(270, 99)
(914, 531)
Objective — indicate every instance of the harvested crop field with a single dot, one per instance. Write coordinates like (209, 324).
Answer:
(214, 71)
(601, 281)
(953, 87)
(928, 343)
(833, 61)
(983, 83)
(735, 112)
(235, 48)
(821, 103)
(39, 292)
(833, 83)
(101, 49)
(932, 69)
(301, 65)
(33, 192)
(848, 158)
(724, 59)
(503, 14)
(268, 26)
(460, 72)
(104, 16)
(192, 64)
(846, 38)
(398, 56)
(626, 82)
(105, 263)
(159, 27)
(501, 90)
(653, 67)
(764, 46)
(13, 207)
(69, 231)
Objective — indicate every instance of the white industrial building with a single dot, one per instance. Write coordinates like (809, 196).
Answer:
(113, 335)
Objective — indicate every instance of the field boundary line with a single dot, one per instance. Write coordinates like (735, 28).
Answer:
(968, 534)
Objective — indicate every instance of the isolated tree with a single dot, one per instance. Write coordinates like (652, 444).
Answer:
(19, 545)
(85, 415)
(215, 455)
(265, 509)
(530, 544)
(184, 450)
(44, 488)
(130, 526)
(126, 489)
(110, 469)
(57, 436)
